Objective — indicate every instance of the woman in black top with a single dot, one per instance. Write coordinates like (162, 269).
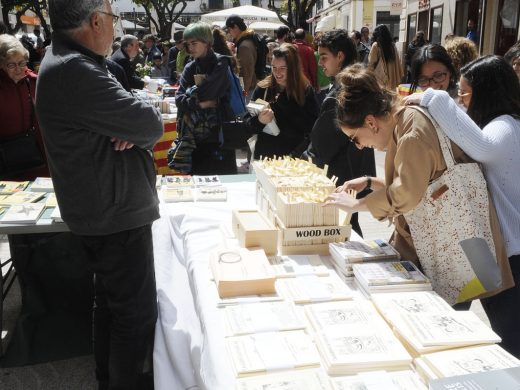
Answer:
(293, 106)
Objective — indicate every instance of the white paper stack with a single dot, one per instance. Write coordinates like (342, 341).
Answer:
(347, 253)
(311, 289)
(444, 330)
(381, 380)
(178, 194)
(302, 380)
(260, 353)
(361, 348)
(298, 265)
(467, 361)
(25, 213)
(397, 276)
(212, 194)
(263, 317)
(393, 306)
(42, 184)
(343, 314)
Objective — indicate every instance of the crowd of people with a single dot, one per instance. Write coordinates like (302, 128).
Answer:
(333, 99)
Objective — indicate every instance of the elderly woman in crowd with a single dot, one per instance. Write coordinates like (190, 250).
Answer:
(292, 105)
(17, 118)
(372, 117)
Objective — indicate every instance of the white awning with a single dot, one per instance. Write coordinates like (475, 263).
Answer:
(268, 26)
(249, 13)
(128, 25)
(326, 23)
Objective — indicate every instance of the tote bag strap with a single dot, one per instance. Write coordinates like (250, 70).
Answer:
(444, 141)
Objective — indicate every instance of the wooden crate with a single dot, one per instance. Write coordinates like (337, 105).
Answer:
(309, 239)
(253, 229)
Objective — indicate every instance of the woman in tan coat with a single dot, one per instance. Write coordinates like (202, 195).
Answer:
(384, 60)
(372, 117)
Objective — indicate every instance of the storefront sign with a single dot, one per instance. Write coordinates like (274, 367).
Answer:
(424, 4)
(396, 7)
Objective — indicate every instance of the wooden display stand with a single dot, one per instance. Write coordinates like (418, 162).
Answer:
(305, 227)
(253, 229)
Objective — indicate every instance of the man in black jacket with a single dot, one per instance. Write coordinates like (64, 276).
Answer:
(98, 139)
(124, 55)
(329, 146)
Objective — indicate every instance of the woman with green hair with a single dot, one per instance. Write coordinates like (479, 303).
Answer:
(203, 104)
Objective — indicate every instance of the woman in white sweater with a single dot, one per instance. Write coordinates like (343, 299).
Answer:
(490, 134)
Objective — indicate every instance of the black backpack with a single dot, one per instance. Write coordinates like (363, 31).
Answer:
(261, 55)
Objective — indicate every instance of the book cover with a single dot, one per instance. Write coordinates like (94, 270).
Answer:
(213, 180)
(298, 265)
(388, 273)
(42, 184)
(22, 197)
(263, 317)
(504, 379)
(23, 213)
(470, 360)
(242, 272)
(10, 187)
(301, 380)
(177, 194)
(381, 380)
(309, 289)
(260, 353)
(212, 194)
(178, 181)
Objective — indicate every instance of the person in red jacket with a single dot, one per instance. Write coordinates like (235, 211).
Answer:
(17, 93)
(308, 61)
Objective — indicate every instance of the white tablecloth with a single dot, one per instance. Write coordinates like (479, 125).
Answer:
(189, 348)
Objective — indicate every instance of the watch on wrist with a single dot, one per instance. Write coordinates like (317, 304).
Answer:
(369, 183)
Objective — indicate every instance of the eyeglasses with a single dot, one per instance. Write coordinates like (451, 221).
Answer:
(115, 18)
(352, 138)
(461, 93)
(438, 77)
(14, 65)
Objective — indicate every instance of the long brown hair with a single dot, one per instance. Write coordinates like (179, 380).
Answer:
(296, 80)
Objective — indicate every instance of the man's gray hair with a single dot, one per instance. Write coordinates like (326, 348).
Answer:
(70, 14)
(127, 40)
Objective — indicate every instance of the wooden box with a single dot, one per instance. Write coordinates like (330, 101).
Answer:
(253, 229)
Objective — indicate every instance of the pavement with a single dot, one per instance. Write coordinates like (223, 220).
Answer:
(78, 373)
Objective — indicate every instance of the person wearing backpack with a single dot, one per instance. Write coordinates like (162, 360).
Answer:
(251, 52)
(203, 104)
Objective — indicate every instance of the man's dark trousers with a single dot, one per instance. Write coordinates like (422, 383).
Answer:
(125, 306)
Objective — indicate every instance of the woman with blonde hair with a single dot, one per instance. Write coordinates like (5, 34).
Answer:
(17, 118)
(462, 51)
(292, 104)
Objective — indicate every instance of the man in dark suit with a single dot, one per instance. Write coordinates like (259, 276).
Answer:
(122, 56)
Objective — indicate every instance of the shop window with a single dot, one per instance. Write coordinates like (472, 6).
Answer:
(436, 25)
(391, 21)
(412, 28)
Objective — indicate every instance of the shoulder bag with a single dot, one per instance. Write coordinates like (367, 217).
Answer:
(451, 230)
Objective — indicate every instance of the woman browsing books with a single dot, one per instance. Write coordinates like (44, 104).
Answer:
(371, 117)
(292, 105)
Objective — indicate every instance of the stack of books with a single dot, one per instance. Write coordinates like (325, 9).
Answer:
(427, 332)
(464, 361)
(343, 314)
(21, 197)
(298, 265)
(346, 254)
(42, 184)
(177, 194)
(311, 289)
(24, 213)
(263, 317)
(301, 380)
(395, 276)
(264, 352)
(242, 272)
(10, 187)
(353, 349)
(381, 380)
